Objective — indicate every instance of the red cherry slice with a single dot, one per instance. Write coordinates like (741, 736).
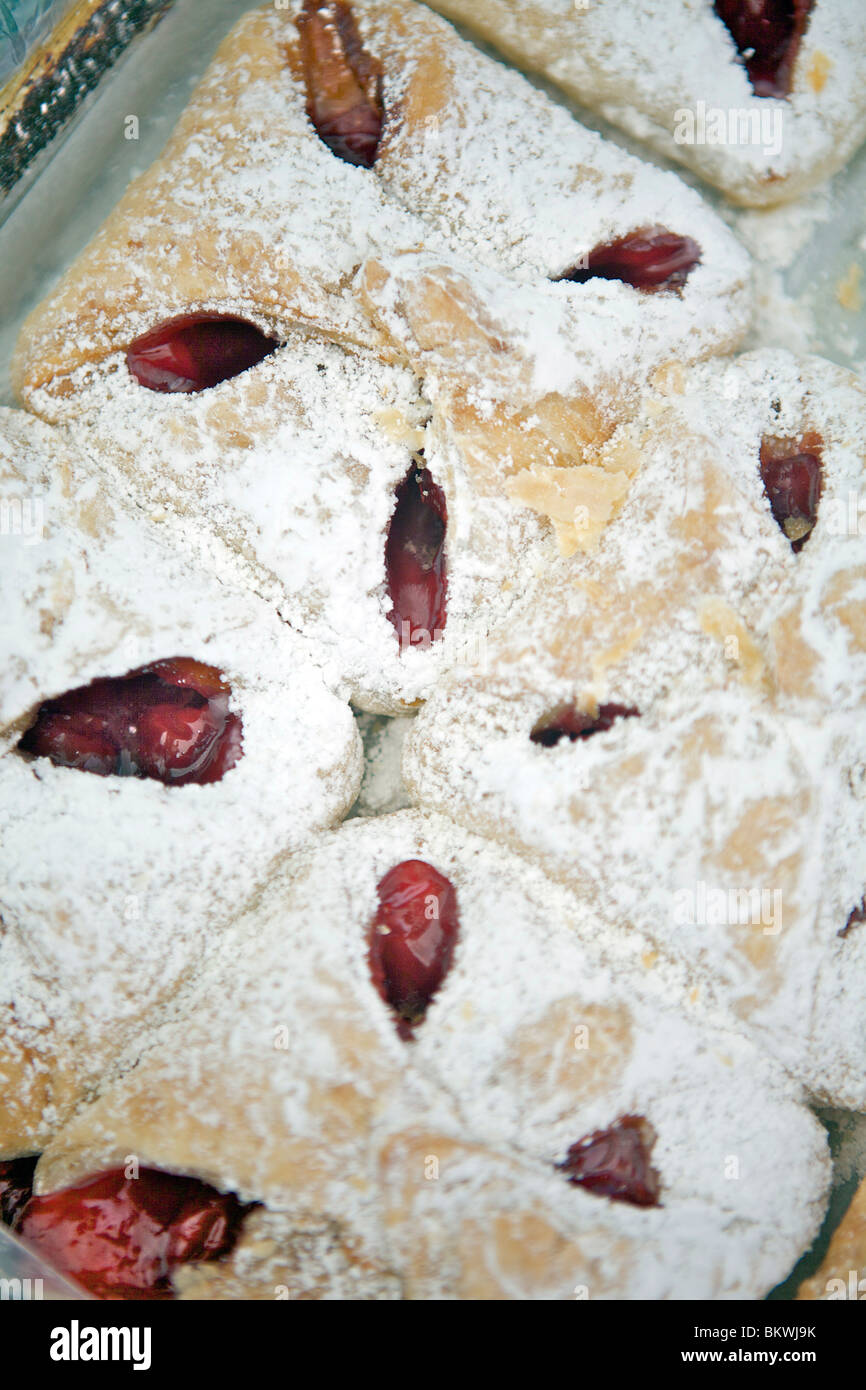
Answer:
(571, 723)
(615, 1163)
(196, 352)
(16, 1187)
(415, 566)
(173, 740)
(344, 83)
(156, 722)
(792, 482)
(412, 940)
(650, 259)
(74, 739)
(121, 1237)
(222, 755)
(767, 34)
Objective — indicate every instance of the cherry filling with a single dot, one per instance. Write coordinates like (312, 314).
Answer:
(169, 721)
(791, 475)
(415, 560)
(412, 940)
(649, 259)
(767, 34)
(343, 81)
(122, 1237)
(16, 1187)
(615, 1163)
(196, 351)
(855, 917)
(569, 722)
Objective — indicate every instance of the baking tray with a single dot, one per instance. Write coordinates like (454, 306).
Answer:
(810, 258)
(53, 54)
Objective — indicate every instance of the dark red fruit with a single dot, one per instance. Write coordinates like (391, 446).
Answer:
(615, 1163)
(196, 351)
(169, 721)
(650, 259)
(855, 917)
(571, 723)
(415, 560)
(344, 83)
(792, 482)
(412, 939)
(122, 1237)
(16, 1187)
(767, 34)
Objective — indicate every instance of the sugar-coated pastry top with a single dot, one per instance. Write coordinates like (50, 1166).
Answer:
(681, 707)
(391, 383)
(543, 1031)
(672, 76)
(469, 329)
(248, 211)
(115, 885)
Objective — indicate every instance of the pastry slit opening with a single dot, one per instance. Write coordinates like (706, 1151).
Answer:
(650, 259)
(615, 1163)
(343, 82)
(122, 1236)
(856, 916)
(567, 721)
(169, 721)
(411, 940)
(415, 563)
(791, 474)
(767, 35)
(196, 352)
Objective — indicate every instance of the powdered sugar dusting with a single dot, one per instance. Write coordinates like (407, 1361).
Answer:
(114, 888)
(739, 772)
(531, 965)
(647, 67)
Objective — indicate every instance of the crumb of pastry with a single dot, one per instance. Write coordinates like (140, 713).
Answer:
(818, 71)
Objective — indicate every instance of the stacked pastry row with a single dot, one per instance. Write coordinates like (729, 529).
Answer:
(339, 404)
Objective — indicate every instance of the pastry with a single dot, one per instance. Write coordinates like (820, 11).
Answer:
(446, 1082)
(390, 382)
(292, 326)
(761, 99)
(674, 722)
(129, 678)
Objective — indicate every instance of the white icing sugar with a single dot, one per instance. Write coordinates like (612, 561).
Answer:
(531, 968)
